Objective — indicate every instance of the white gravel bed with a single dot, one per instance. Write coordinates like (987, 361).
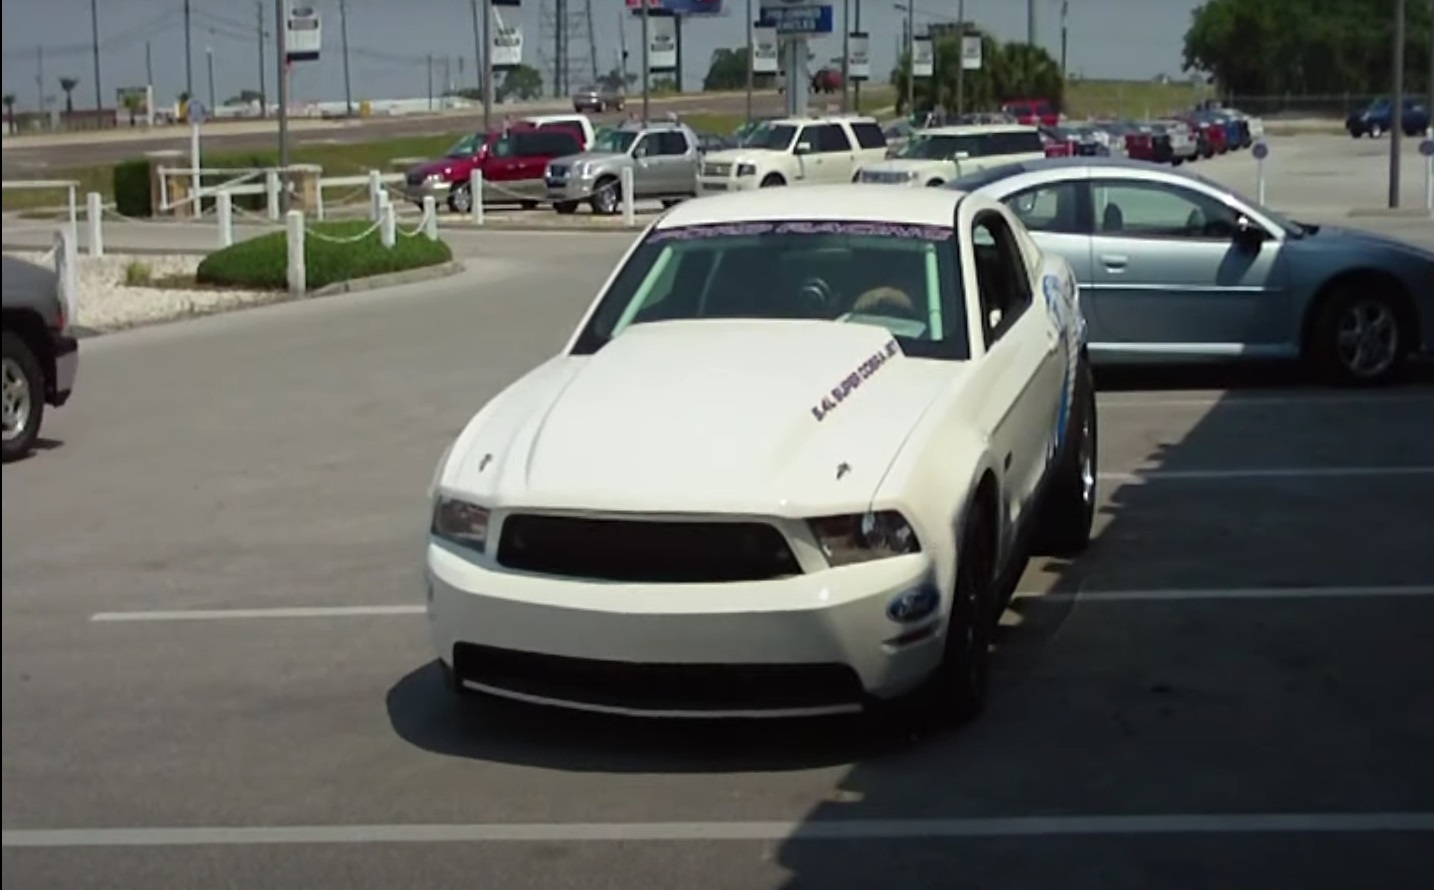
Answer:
(107, 303)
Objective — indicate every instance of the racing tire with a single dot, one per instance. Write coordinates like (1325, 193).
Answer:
(607, 196)
(956, 691)
(24, 385)
(565, 207)
(1370, 316)
(772, 180)
(1067, 511)
(460, 198)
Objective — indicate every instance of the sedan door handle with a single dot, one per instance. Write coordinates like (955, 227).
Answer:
(1114, 262)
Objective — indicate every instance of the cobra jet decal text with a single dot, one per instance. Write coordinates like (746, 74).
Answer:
(849, 385)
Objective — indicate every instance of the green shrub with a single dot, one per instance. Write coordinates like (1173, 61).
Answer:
(262, 262)
(137, 274)
(131, 188)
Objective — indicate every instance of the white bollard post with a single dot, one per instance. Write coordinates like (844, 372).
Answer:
(74, 214)
(319, 200)
(92, 216)
(196, 181)
(629, 206)
(271, 193)
(298, 274)
(388, 225)
(1260, 181)
(375, 189)
(430, 217)
(475, 184)
(224, 213)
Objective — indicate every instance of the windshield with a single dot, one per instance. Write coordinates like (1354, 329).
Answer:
(937, 148)
(775, 137)
(1290, 226)
(466, 147)
(616, 141)
(903, 278)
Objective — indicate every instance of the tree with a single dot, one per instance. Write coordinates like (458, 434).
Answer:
(728, 71)
(133, 102)
(1331, 47)
(616, 80)
(522, 82)
(1009, 71)
(9, 100)
(68, 84)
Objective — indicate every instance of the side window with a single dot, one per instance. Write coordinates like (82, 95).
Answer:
(672, 143)
(1005, 288)
(1018, 142)
(645, 145)
(868, 135)
(832, 138)
(1048, 208)
(1155, 210)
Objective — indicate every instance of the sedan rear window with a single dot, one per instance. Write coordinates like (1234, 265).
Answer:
(900, 277)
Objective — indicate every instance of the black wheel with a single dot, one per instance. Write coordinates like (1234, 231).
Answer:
(1358, 334)
(956, 691)
(529, 205)
(565, 207)
(772, 180)
(935, 184)
(1067, 511)
(460, 198)
(607, 196)
(24, 397)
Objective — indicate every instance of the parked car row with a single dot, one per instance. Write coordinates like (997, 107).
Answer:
(1202, 133)
(1378, 118)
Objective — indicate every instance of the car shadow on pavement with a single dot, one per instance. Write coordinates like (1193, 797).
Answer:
(41, 444)
(1290, 378)
(426, 714)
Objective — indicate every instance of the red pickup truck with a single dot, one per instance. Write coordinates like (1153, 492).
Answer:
(1032, 112)
(511, 159)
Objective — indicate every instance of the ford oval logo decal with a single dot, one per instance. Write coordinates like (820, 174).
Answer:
(913, 605)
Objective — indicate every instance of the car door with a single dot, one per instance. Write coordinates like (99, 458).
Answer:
(809, 155)
(837, 153)
(1058, 216)
(527, 164)
(646, 165)
(674, 163)
(1168, 273)
(1022, 363)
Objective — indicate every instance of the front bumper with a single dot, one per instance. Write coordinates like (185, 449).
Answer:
(720, 185)
(66, 350)
(818, 643)
(438, 190)
(569, 188)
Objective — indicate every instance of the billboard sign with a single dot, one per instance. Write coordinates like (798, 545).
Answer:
(797, 18)
(679, 7)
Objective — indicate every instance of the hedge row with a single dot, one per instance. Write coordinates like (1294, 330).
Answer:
(262, 263)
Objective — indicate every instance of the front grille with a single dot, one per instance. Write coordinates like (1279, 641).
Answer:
(659, 687)
(557, 171)
(640, 551)
(416, 178)
(716, 169)
(885, 177)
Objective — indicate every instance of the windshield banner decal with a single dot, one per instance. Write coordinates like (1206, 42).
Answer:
(802, 227)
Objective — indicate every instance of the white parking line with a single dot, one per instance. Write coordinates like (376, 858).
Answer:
(1092, 596)
(628, 832)
(1265, 473)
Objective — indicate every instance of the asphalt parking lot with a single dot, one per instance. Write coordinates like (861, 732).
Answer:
(1230, 690)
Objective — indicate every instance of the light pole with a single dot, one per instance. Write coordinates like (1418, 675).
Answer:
(646, 77)
(344, 37)
(209, 60)
(95, 33)
(281, 57)
(1396, 126)
(751, 61)
(846, 55)
(961, 58)
(485, 58)
(911, 57)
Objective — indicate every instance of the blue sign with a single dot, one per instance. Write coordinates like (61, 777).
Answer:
(196, 112)
(678, 7)
(797, 19)
(1260, 151)
(1426, 148)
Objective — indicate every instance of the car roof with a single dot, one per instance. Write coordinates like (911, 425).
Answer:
(978, 129)
(824, 119)
(845, 201)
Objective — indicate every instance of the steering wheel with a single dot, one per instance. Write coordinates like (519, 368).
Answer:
(815, 292)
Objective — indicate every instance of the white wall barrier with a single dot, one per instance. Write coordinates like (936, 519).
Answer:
(66, 264)
(388, 223)
(475, 187)
(224, 214)
(297, 273)
(93, 211)
(629, 206)
(430, 217)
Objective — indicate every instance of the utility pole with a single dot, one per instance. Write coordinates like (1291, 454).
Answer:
(1031, 22)
(209, 60)
(483, 55)
(856, 87)
(95, 36)
(40, 76)
(430, 81)
(646, 77)
(961, 61)
(344, 36)
(263, 92)
(910, 57)
(751, 59)
(188, 56)
(490, 89)
(281, 56)
(148, 65)
(1396, 126)
(845, 56)
(1431, 69)
(1065, 12)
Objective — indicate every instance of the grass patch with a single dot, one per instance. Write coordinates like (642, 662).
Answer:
(262, 263)
(1130, 98)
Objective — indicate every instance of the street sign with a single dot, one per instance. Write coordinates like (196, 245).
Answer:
(302, 34)
(1426, 148)
(196, 112)
(1260, 151)
(792, 19)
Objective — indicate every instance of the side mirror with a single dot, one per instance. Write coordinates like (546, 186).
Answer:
(1248, 235)
(804, 148)
(962, 155)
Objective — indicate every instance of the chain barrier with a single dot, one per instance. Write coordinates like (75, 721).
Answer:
(422, 221)
(349, 239)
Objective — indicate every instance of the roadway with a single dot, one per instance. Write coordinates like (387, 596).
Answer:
(1247, 637)
(28, 156)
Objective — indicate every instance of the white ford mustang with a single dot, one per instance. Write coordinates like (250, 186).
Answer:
(792, 462)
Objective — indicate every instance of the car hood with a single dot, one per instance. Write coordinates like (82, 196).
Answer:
(742, 155)
(438, 166)
(703, 416)
(909, 165)
(1332, 236)
(596, 157)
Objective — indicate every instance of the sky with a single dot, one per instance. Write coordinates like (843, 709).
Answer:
(390, 41)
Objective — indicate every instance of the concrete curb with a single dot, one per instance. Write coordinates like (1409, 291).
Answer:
(122, 251)
(392, 279)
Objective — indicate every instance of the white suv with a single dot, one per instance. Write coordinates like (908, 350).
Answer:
(794, 151)
(937, 156)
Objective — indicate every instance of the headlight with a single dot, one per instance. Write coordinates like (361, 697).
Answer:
(435, 177)
(863, 537)
(460, 522)
(746, 169)
(584, 171)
